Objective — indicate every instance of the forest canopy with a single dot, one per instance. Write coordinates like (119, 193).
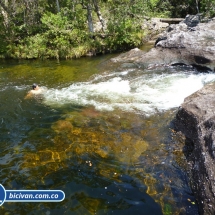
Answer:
(74, 28)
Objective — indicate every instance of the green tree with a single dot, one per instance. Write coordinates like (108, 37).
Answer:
(207, 7)
(69, 28)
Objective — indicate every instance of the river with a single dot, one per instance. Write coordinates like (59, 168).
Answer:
(102, 136)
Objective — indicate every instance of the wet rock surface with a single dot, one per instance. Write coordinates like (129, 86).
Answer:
(186, 43)
(196, 120)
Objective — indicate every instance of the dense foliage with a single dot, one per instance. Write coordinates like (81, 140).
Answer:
(180, 8)
(73, 28)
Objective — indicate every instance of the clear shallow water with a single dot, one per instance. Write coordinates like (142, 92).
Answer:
(102, 136)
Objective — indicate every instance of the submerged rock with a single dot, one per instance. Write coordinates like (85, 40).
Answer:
(196, 120)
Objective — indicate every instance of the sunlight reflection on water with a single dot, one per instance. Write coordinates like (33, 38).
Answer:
(93, 139)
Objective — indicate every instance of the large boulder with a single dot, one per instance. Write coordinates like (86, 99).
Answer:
(196, 120)
(180, 44)
(192, 20)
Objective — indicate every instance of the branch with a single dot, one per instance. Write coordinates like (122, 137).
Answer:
(83, 5)
(4, 7)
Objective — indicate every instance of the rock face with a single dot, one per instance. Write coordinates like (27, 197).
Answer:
(180, 44)
(196, 120)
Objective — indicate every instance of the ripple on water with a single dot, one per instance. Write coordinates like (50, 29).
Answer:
(97, 151)
(94, 140)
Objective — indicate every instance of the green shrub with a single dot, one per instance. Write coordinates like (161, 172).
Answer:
(124, 34)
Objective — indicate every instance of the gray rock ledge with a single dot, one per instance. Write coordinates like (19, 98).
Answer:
(179, 44)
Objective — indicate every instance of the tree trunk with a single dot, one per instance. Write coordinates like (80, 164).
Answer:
(197, 6)
(58, 6)
(98, 12)
(89, 17)
(5, 13)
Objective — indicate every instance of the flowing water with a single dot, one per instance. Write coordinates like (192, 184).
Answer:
(102, 136)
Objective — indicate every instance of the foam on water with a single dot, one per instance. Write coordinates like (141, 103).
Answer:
(147, 93)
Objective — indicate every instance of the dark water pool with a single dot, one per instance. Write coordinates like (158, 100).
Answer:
(100, 147)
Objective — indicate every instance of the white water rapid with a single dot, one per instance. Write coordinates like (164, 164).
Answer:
(140, 91)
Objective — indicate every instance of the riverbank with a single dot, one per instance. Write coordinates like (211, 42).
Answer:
(189, 43)
(59, 44)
